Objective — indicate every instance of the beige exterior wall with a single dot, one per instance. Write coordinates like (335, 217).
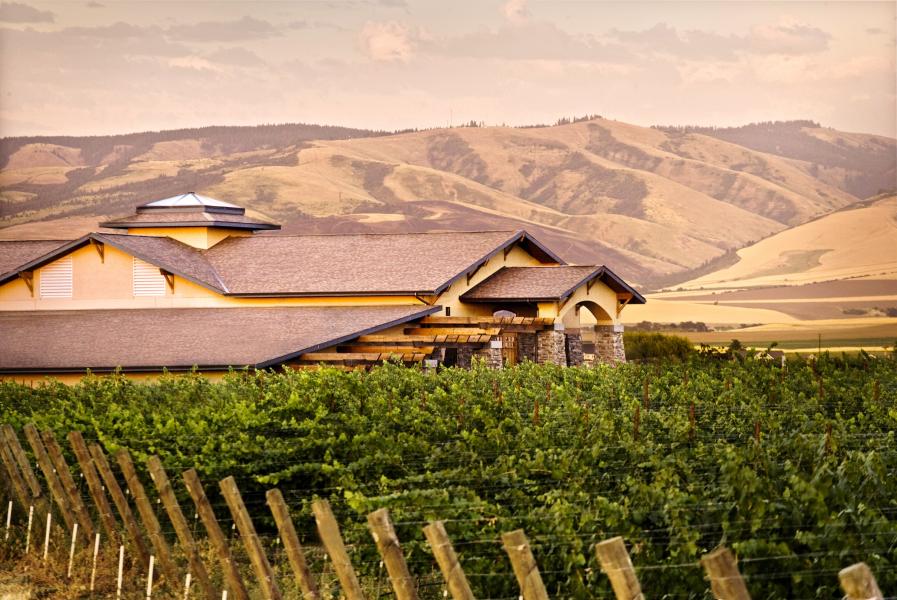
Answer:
(75, 378)
(198, 237)
(517, 257)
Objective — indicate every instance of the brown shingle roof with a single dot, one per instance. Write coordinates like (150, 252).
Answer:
(193, 218)
(148, 339)
(354, 264)
(169, 254)
(534, 284)
(14, 254)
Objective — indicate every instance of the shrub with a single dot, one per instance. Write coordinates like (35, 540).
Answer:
(652, 346)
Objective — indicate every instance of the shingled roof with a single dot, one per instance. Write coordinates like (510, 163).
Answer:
(14, 254)
(543, 284)
(316, 265)
(362, 264)
(178, 339)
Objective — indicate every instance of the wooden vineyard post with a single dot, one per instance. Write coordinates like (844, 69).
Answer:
(94, 485)
(455, 580)
(150, 522)
(859, 583)
(121, 503)
(525, 568)
(636, 419)
(328, 530)
(725, 580)
(617, 565)
(387, 541)
(46, 467)
(68, 483)
(291, 544)
(18, 483)
(251, 541)
(216, 536)
(18, 453)
(181, 528)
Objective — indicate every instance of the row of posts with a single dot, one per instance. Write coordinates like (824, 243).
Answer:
(720, 565)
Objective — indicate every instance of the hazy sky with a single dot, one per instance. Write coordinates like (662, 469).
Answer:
(101, 66)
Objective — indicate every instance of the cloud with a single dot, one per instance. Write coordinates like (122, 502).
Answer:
(247, 28)
(93, 4)
(236, 56)
(768, 39)
(15, 12)
(532, 40)
(875, 31)
(793, 38)
(515, 11)
(387, 41)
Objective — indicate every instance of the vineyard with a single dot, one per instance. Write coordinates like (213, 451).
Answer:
(793, 467)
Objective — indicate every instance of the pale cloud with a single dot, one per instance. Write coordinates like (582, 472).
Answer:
(236, 56)
(516, 11)
(533, 40)
(16, 12)
(387, 41)
(787, 38)
(247, 28)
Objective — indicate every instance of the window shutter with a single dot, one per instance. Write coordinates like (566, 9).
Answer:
(56, 279)
(148, 279)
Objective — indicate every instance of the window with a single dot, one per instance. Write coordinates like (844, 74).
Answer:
(148, 279)
(56, 279)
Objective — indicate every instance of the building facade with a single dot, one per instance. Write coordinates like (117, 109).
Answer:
(192, 282)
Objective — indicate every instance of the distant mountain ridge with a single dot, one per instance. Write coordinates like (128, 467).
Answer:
(656, 204)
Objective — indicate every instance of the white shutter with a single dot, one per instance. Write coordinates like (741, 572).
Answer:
(148, 279)
(56, 279)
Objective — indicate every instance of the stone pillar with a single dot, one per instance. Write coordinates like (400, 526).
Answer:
(573, 346)
(609, 344)
(550, 347)
(526, 347)
(463, 357)
(491, 354)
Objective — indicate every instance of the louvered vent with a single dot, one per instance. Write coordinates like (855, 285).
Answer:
(56, 279)
(148, 279)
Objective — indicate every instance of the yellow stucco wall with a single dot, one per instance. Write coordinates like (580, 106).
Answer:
(198, 237)
(517, 257)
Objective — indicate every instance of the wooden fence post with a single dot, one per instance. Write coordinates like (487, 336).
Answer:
(150, 522)
(525, 568)
(18, 483)
(68, 483)
(725, 580)
(46, 467)
(251, 541)
(94, 485)
(388, 544)
(859, 583)
(615, 562)
(181, 528)
(216, 536)
(121, 503)
(328, 530)
(291, 544)
(445, 555)
(18, 453)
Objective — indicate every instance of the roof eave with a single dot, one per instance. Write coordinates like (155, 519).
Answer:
(162, 224)
(345, 338)
(517, 237)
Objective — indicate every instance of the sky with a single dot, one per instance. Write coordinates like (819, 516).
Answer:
(104, 67)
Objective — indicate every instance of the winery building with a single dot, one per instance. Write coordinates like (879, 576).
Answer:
(192, 282)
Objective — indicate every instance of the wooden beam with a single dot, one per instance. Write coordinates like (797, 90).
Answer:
(391, 349)
(169, 278)
(100, 247)
(28, 278)
(452, 331)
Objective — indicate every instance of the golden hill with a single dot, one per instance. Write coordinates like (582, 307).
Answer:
(653, 203)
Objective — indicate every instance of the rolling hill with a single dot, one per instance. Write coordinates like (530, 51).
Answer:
(659, 205)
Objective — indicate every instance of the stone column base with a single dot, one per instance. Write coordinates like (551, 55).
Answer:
(550, 347)
(573, 346)
(609, 344)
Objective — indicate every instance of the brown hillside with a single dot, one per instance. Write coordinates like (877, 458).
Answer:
(651, 203)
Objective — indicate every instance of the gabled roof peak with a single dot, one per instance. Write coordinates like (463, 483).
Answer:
(189, 199)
